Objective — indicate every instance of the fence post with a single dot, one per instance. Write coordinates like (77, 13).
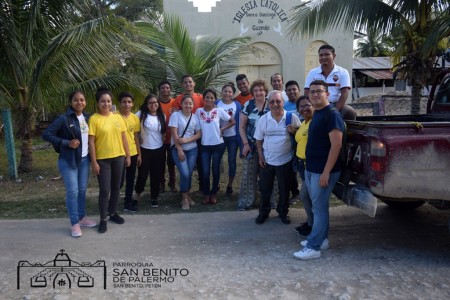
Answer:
(9, 143)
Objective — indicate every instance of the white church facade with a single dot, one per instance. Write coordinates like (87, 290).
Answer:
(266, 22)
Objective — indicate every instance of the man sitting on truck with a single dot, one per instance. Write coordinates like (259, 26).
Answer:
(336, 77)
(322, 166)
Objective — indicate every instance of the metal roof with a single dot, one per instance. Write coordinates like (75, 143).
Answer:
(372, 63)
(378, 74)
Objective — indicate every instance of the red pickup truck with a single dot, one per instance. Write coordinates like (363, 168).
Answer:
(402, 160)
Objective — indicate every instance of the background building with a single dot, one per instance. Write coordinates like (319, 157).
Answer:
(266, 22)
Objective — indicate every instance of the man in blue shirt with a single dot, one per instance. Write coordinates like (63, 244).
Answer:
(323, 166)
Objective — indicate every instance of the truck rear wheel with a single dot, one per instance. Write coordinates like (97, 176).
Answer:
(403, 205)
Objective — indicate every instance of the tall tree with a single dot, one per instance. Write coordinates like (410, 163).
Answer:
(209, 59)
(424, 23)
(45, 51)
(373, 45)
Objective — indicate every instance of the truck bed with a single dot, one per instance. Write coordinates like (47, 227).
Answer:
(417, 160)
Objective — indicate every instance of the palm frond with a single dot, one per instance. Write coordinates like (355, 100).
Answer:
(312, 17)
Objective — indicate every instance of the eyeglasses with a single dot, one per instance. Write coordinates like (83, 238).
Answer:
(272, 102)
(318, 92)
(151, 103)
(302, 107)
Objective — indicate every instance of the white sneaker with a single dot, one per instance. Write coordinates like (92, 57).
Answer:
(325, 244)
(85, 222)
(76, 230)
(307, 253)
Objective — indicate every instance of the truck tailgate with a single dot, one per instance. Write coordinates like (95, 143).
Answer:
(416, 164)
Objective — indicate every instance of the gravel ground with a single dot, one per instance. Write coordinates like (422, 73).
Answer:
(226, 255)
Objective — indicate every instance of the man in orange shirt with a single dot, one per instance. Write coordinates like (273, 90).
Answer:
(188, 84)
(244, 87)
(167, 103)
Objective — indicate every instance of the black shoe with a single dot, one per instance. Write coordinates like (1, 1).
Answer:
(117, 219)
(172, 187)
(294, 199)
(303, 230)
(102, 226)
(260, 219)
(229, 190)
(154, 204)
(130, 208)
(285, 219)
(241, 208)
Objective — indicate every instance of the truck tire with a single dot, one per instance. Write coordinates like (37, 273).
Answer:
(403, 205)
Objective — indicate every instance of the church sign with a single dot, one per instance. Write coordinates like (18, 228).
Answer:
(260, 16)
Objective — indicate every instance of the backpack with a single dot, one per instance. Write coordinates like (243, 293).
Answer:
(291, 136)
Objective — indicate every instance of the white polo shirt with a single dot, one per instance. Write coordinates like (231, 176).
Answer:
(337, 80)
(277, 147)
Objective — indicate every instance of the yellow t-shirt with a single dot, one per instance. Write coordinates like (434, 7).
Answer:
(301, 137)
(133, 126)
(108, 135)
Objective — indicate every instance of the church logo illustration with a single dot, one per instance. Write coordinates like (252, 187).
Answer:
(61, 272)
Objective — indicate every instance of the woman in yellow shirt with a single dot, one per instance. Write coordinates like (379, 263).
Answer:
(108, 148)
(306, 110)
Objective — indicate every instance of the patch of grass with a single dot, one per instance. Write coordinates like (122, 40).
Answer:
(38, 196)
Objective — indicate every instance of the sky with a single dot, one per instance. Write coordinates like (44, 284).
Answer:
(204, 5)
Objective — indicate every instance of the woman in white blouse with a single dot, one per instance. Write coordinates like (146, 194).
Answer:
(213, 145)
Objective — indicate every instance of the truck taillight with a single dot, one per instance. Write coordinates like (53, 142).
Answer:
(377, 148)
(377, 156)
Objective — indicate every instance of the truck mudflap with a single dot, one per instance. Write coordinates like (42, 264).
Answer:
(357, 196)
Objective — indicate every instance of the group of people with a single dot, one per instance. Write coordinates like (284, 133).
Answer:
(194, 130)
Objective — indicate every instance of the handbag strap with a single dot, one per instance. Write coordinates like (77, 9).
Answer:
(187, 125)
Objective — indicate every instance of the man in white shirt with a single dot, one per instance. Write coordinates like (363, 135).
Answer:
(275, 151)
(336, 77)
(276, 81)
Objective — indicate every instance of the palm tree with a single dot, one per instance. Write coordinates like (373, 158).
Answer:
(209, 59)
(424, 24)
(375, 44)
(45, 51)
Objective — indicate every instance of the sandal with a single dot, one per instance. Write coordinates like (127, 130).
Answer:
(213, 199)
(207, 201)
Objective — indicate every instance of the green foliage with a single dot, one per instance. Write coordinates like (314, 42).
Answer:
(47, 49)
(375, 44)
(209, 59)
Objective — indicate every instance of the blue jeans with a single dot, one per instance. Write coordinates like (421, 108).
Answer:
(185, 167)
(320, 198)
(215, 154)
(307, 204)
(75, 181)
(231, 144)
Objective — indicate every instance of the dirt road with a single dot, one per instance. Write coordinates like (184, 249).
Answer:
(227, 256)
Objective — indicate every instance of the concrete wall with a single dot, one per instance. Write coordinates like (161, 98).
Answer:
(266, 22)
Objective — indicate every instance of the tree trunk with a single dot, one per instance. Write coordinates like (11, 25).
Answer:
(26, 156)
(25, 123)
(416, 95)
